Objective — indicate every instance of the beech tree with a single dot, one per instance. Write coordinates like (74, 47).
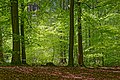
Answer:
(71, 35)
(15, 32)
(80, 47)
(1, 38)
(1, 49)
(63, 45)
(47, 32)
(22, 34)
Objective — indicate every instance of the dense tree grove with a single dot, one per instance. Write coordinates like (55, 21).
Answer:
(62, 32)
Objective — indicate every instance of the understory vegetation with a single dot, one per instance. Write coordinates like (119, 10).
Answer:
(47, 27)
(60, 40)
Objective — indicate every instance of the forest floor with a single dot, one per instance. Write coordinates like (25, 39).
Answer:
(59, 73)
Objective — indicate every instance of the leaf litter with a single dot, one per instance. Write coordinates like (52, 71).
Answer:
(59, 73)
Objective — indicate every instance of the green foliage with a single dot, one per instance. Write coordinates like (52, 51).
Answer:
(47, 32)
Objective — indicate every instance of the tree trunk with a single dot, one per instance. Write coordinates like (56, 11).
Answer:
(22, 34)
(80, 47)
(62, 44)
(1, 50)
(15, 31)
(71, 35)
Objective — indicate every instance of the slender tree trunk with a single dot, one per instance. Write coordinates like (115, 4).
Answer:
(1, 44)
(80, 47)
(61, 3)
(15, 31)
(71, 35)
(22, 34)
(1, 50)
(63, 50)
